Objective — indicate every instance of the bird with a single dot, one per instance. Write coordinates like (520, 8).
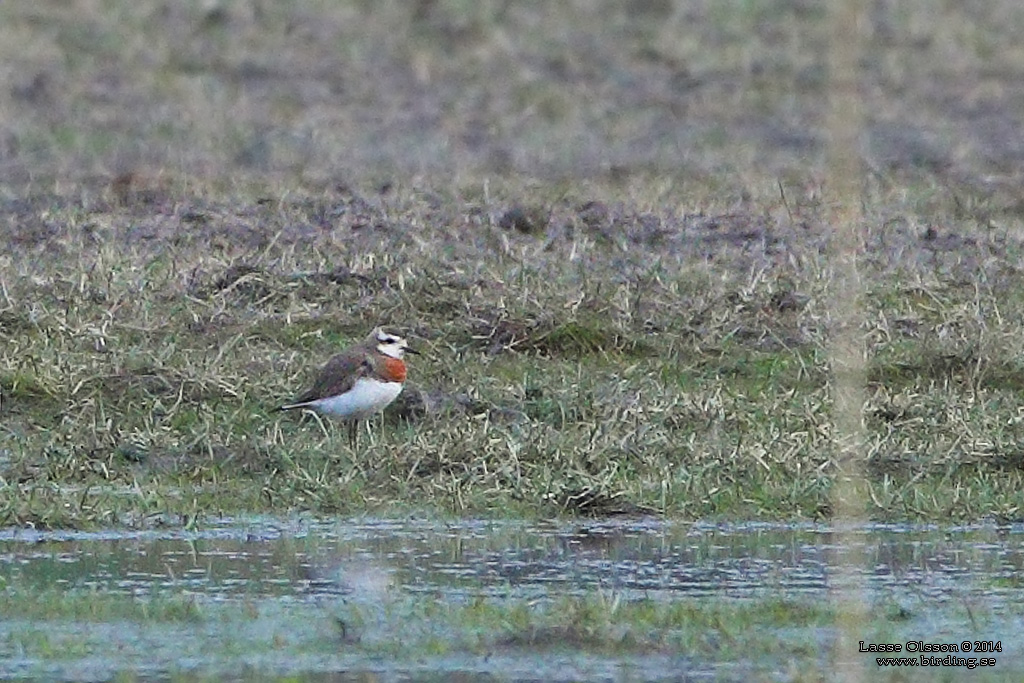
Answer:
(361, 380)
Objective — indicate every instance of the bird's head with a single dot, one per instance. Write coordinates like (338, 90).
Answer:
(391, 344)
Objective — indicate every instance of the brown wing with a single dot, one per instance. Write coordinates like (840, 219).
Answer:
(336, 377)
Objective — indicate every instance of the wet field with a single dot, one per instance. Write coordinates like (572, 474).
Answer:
(403, 600)
(616, 214)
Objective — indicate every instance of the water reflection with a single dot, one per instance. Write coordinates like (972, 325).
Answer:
(306, 559)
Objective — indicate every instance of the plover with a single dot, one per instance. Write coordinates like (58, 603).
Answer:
(358, 382)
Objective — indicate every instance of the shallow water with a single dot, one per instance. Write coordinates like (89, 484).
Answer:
(289, 588)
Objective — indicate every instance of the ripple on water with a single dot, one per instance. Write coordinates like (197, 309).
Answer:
(274, 565)
(291, 557)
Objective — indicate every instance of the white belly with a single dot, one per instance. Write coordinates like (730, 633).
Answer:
(365, 398)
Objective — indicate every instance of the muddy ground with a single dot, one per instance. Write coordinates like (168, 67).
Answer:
(682, 107)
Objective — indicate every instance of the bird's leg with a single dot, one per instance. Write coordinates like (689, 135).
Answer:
(353, 433)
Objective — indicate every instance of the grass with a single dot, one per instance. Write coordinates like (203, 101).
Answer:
(608, 232)
(96, 606)
(140, 381)
(434, 633)
(603, 622)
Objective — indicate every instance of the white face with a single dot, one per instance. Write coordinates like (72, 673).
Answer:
(390, 345)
